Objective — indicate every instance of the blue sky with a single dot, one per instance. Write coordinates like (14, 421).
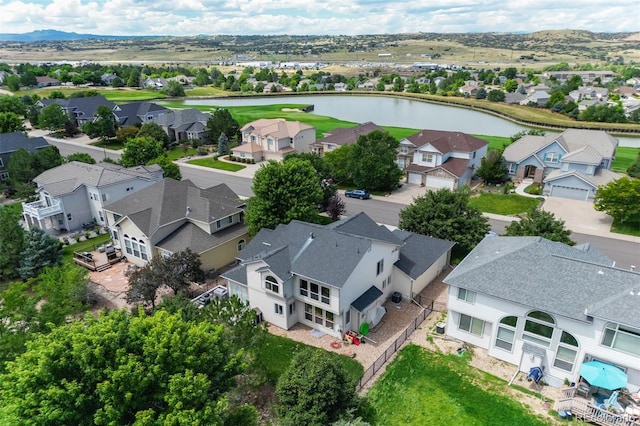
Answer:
(301, 17)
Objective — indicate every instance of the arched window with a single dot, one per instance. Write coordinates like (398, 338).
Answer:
(241, 245)
(271, 283)
(506, 332)
(566, 352)
(538, 328)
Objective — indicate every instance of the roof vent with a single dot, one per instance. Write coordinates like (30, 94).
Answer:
(600, 272)
(632, 268)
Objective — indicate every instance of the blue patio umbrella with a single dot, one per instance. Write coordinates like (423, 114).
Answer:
(603, 375)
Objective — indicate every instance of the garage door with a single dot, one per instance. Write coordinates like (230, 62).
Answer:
(439, 182)
(415, 178)
(569, 192)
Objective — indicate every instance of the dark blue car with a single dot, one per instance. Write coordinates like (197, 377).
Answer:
(357, 193)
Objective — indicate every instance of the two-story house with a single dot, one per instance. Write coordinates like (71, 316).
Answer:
(11, 142)
(441, 159)
(537, 303)
(184, 124)
(571, 165)
(80, 110)
(336, 138)
(273, 139)
(171, 216)
(140, 112)
(75, 193)
(283, 273)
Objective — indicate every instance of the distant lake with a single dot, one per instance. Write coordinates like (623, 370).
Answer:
(396, 112)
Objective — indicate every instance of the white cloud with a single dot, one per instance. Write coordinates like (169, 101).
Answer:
(191, 17)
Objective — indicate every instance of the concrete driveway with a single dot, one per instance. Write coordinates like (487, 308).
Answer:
(579, 216)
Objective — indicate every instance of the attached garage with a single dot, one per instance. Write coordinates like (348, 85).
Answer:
(439, 182)
(415, 178)
(569, 192)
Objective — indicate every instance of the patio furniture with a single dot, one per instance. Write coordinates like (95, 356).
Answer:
(584, 389)
(603, 375)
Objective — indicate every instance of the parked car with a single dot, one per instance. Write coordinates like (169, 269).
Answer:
(357, 193)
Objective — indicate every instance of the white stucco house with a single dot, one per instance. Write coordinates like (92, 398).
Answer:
(536, 303)
(441, 159)
(273, 139)
(284, 274)
(75, 193)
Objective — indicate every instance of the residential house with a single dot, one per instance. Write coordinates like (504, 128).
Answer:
(340, 87)
(336, 138)
(44, 81)
(171, 216)
(11, 142)
(283, 273)
(273, 139)
(470, 89)
(537, 303)
(155, 83)
(140, 112)
(80, 110)
(441, 159)
(367, 85)
(571, 165)
(108, 78)
(586, 76)
(75, 193)
(589, 93)
(184, 124)
(537, 98)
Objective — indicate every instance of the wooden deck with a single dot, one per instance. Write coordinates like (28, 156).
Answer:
(584, 410)
(98, 259)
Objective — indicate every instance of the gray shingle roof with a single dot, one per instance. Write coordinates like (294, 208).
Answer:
(419, 252)
(344, 136)
(367, 298)
(445, 141)
(171, 201)
(552, 277)
(190, 235)
(182, 118)
(134, 112)
(11, 142)
(66, 178)
(362, 225)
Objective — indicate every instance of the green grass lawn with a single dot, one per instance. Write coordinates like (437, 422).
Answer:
(13, 207)
(110, 144)
(276, 352)
(625, 157)
(495, 142)
(629, 227)
(87, 245)
(428, 388)
(505, 204)
(178, 152)
(214, 163)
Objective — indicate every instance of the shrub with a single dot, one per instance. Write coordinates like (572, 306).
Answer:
(202, 151)
(534, 189)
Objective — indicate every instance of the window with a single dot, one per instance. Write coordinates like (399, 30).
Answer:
(271, 283)
(622, 338)
(380, 267)
(347, 316)
(552, 157)
(404, 150)
(224, 222)
(241, 245)
(538, 328)
(134, 247)
(104, 197)
(471, 325)
(4, 175)
(506, 333)
(304, 288)
(278, 309)
(566, 352)
(511, 168)
(315, 291)
(292, 308)
(69, 217)
(427, 158)
(100, 215)
(466, 295)
(590, 170)
(318, 316)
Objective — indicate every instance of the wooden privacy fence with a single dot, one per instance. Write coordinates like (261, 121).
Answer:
(395, 346)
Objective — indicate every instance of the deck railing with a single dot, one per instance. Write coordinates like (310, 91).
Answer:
(588, 412)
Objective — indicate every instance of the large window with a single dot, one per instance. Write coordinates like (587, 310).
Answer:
(552, 157)
(427, 158)
(271, 283)
(471, 325)
(318, 316)
(538, 328)
(622, 338)
(506, 333)
(566, 352)
(466, 295)
(134, 247)
(380, 267)
(225, 221)
(315, 291)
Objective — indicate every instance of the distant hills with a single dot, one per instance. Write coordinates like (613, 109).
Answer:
(54, 35)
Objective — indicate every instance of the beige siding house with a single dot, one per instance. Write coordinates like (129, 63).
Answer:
(273, 139)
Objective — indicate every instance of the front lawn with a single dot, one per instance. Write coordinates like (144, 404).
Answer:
(421, 387)
(178, 152)
(629, 227)
(214, 163)
(504, 204)
(110, 144)
(625, 157)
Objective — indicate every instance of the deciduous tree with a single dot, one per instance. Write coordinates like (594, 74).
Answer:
(104, 127)
(12, 237)
(10, 122)
(283, 192)
(64, 290)
(446, 214)
(139, 151)
(373, 162)
(540, 223)
(496, 95)
(169, 168)
(492, 168)
(619, 199)
(52, 117)
(81, 157)
(155, 132)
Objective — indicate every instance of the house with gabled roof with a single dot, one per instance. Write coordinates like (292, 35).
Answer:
(11, 142)
(571, 165)
(80, 110)
(273, 139)
(184, 124)
(75, 193)
(341, 136)
(283, 272)
(441, 159)
(140, 112)
(171, 216)
(537, 303)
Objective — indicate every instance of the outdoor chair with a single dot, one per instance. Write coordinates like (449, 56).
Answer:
(583, 389)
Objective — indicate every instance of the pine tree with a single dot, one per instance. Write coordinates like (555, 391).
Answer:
(40, 251)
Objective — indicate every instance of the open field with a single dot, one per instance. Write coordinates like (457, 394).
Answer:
(477, 50)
